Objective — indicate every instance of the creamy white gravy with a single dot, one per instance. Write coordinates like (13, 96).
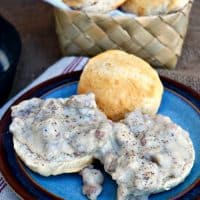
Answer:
(144, 154)
(55, 131)
(92, 182)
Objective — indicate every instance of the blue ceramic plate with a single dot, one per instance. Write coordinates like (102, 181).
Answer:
(179, 103)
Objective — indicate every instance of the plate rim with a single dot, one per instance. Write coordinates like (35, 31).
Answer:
(44, 86)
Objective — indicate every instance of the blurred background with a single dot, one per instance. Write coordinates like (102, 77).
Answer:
(35, 22)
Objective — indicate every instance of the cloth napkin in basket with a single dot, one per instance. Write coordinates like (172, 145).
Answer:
(63, 66)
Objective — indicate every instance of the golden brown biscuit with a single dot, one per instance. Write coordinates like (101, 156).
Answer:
(177, 4)
(121, 82)
(75, 3)
(154, 7)
(101, 6)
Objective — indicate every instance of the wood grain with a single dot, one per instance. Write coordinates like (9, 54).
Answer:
(34, 20)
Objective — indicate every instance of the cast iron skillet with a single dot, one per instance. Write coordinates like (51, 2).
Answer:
(10, 45)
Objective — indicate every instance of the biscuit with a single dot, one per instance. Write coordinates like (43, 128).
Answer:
(121, 83)
(163, 159)
(49, 135)
(92, 6)
(155, 7)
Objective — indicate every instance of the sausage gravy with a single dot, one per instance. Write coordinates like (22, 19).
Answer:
(92, 182)
(48, 134)
(144, 154)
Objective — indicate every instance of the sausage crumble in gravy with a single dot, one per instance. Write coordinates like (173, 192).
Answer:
(145, 154)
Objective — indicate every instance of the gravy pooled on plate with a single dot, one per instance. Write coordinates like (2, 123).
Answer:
(92, 182)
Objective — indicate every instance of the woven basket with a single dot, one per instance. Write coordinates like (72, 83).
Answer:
(156, 39)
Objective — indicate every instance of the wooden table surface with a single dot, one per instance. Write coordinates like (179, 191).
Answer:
(35, 23)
